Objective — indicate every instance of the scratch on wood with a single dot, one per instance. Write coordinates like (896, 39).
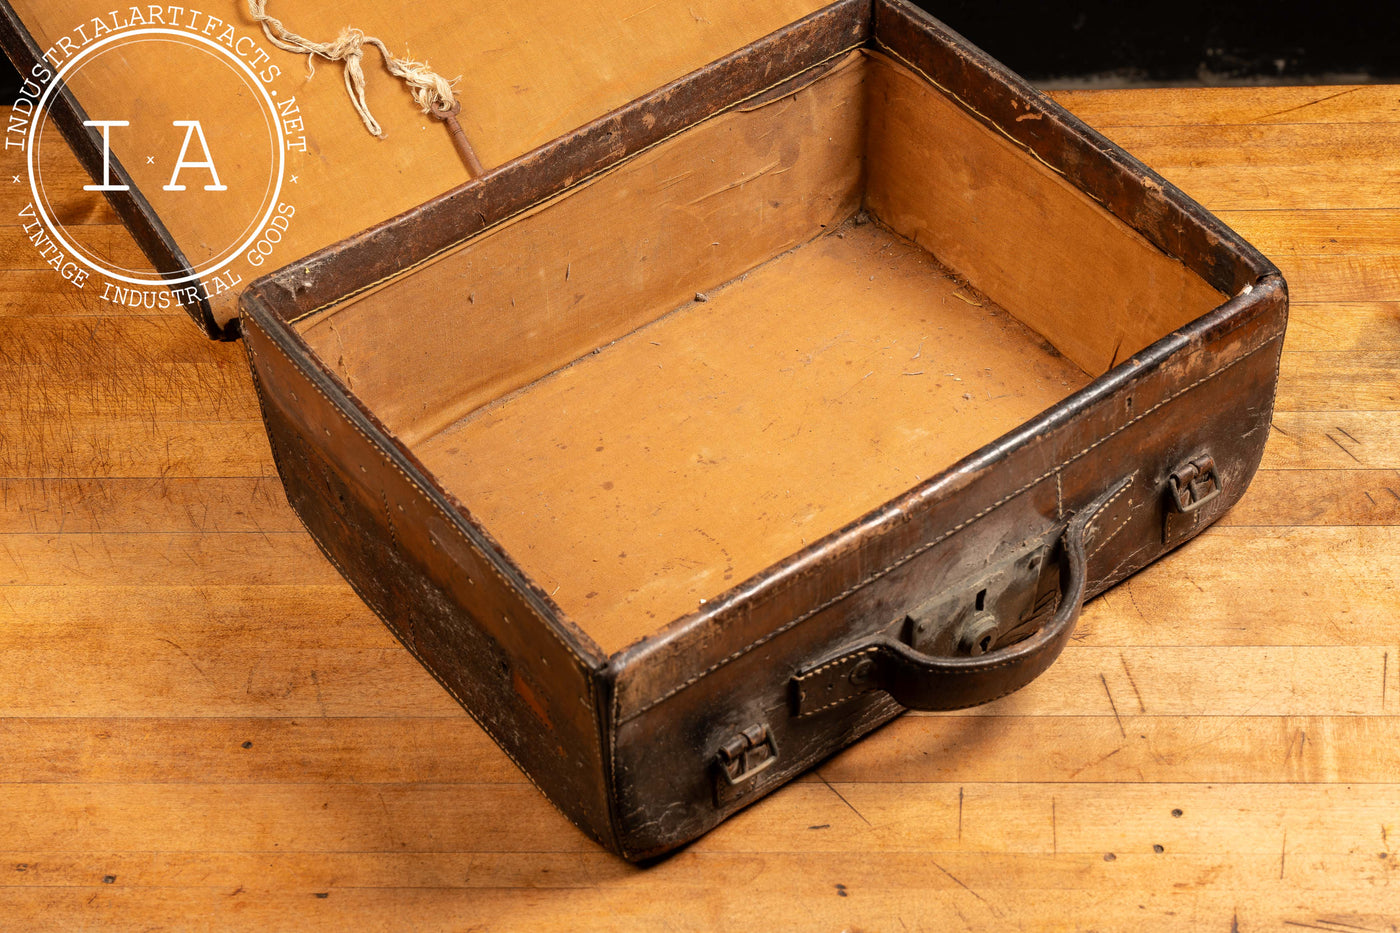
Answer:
(1393, 493)
(1283, 855)
(1142, 707)
(960, 809)
(1348, 926)
(1300, 742)
(1113, 706)
(1102, 758)
(1311, 103)
(841, 798)
(1343, 431)
(959, 882)
(1235, 922)
(189, 657)
(1128, 591)
(1280, 430)
(1342, 446)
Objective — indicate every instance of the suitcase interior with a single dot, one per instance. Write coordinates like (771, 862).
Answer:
(696, 362)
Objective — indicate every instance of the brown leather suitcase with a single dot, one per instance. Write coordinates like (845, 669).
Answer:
(825, 382)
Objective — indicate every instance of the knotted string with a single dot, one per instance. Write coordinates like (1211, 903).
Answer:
(430, 90)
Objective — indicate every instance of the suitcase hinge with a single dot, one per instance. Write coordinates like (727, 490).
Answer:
(747, 755)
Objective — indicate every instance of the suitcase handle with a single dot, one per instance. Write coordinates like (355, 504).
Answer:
(920, 681)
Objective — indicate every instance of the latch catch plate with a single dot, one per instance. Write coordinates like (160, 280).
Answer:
(1193, 485)
(746, 755)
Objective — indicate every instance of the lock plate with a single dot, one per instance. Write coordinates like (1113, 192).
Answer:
(998, 609)
(1002, 606)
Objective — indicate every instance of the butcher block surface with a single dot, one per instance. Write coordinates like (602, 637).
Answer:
(205, 729)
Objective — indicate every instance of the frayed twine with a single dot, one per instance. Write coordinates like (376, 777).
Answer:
(430, 91)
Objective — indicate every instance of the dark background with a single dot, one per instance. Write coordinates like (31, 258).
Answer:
(1066, 43)
(1193, 42)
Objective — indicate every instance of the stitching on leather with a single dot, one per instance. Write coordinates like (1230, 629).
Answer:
(1059, 498)
(854, 696)
(841, 660)
(1090, 527)
(1127, 481)
(443, 683)
(938, 540)
(962, 672)
(837, 662)
(1121, 525)
(389, 519)
(845, 699)
(490, 566)
(946, 709)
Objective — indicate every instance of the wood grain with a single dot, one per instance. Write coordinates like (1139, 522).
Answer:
(1216, 749)
(1370, 104)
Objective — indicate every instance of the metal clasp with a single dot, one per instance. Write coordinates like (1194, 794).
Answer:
(747, 755)
(1194, 484)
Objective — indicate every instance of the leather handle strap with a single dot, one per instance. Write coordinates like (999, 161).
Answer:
(920, 681)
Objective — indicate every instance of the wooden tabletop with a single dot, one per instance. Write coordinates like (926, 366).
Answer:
(202, 728)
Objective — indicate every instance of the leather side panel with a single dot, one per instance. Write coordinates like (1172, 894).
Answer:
(1217, 400)
(436, 589)
(826, 571)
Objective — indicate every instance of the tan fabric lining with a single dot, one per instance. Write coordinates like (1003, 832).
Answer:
(1096, 288)
(637, 450)
(530, 72)
(533, 294)
(689, 456)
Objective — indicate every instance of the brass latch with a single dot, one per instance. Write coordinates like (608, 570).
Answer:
(1189, 487)
(745, 756)
(1194, 484)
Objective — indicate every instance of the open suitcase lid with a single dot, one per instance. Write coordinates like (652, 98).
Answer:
(281, 164)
